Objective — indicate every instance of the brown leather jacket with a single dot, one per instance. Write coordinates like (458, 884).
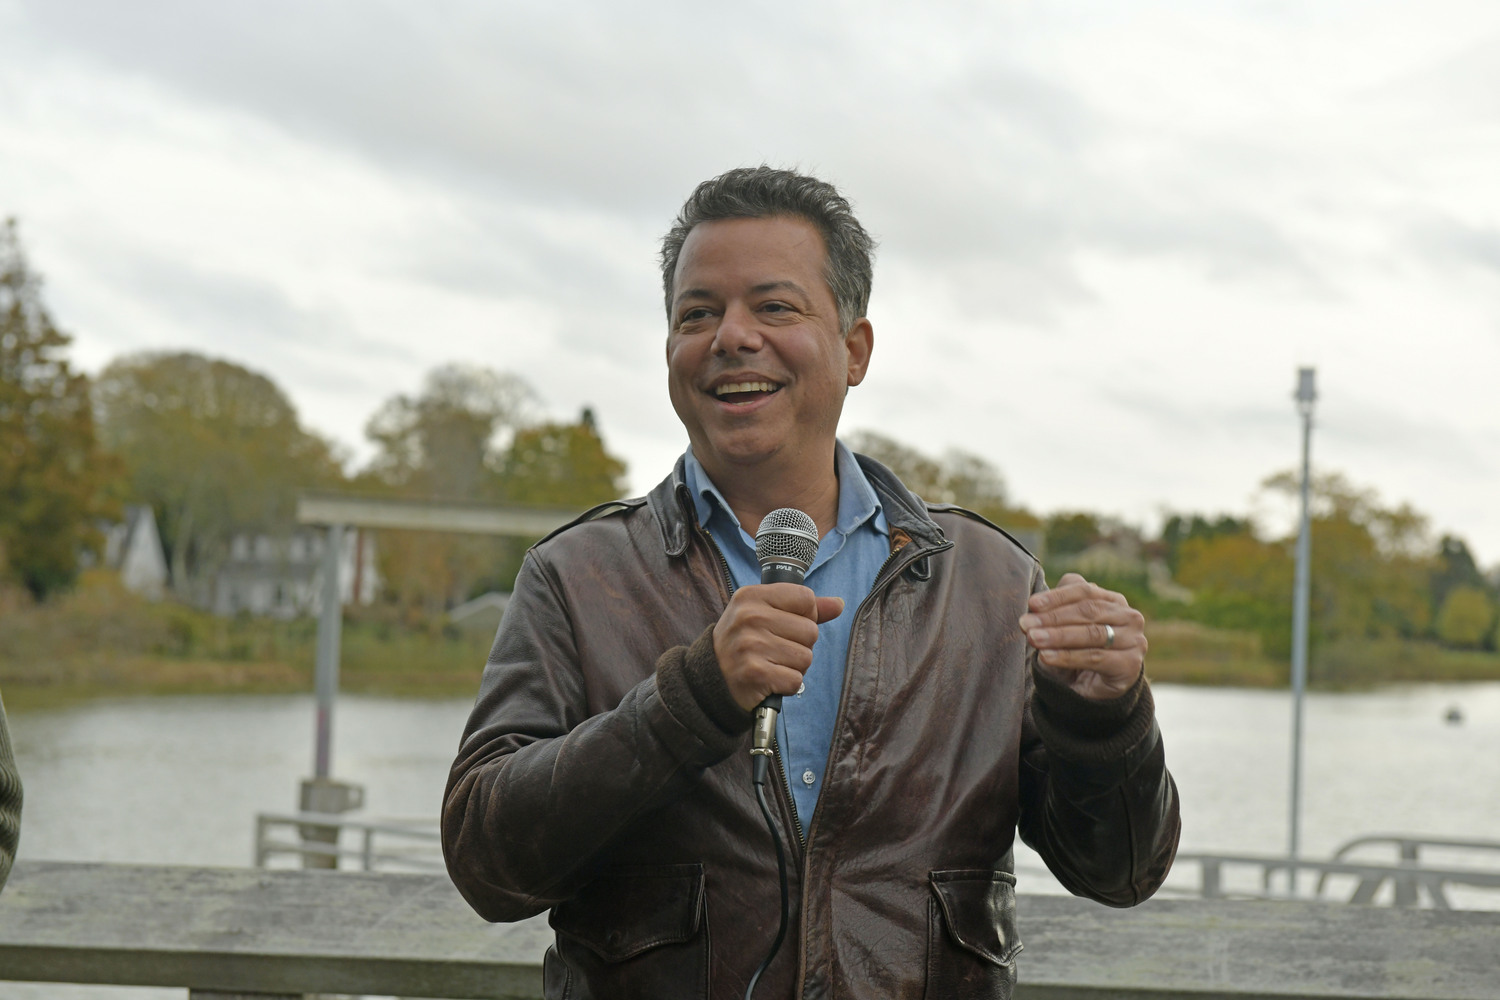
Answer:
(604, 772)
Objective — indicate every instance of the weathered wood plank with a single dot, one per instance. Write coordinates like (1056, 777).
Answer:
(1190, 949)
(248, 930)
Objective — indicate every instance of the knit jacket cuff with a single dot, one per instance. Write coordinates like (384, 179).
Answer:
(694, 690)
(1087, 730)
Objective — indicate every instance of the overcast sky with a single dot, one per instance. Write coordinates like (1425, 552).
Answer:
(1110, 233)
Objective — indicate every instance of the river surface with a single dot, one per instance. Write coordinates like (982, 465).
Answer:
(179, 780)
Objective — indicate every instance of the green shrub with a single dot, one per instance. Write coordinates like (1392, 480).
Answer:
(1465, 618)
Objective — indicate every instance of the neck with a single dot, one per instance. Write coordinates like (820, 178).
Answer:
(755, 491)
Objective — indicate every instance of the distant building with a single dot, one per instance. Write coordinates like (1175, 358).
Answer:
(1113, 558)
(1121, 557)
(133, 549)
(282, 577)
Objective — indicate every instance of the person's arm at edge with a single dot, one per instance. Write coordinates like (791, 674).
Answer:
(538, 788)
(1097, 801)
(10, 801)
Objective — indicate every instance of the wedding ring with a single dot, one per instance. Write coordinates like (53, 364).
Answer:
(1109, 636)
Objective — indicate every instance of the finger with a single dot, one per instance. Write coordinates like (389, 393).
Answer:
(1091, 636)
(762, 657)
(784, 680)
(766, 678)
(792, 597)
(829, 608)
(1071, 589)
(1118, 663)
(1101, 609)
(791, 628)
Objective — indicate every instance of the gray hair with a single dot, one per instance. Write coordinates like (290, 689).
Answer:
(762, 192)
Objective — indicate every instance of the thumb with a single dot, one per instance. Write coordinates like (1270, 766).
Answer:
(829, 608)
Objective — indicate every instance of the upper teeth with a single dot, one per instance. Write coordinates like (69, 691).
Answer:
(725, 390)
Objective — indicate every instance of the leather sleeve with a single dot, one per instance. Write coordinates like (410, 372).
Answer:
(10, 802)
(539, 787)
(1097, 802)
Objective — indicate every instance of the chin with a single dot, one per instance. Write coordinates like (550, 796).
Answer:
(744, 451)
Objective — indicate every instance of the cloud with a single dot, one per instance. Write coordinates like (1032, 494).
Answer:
(1109, 232)
(987, 167)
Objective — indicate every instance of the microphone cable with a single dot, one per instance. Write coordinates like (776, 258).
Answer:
(761, 765)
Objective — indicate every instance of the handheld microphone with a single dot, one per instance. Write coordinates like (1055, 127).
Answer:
(785, 545)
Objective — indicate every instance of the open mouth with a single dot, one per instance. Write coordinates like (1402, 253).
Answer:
(745, 392)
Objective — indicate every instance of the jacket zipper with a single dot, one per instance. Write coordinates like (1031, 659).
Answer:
(882, 580)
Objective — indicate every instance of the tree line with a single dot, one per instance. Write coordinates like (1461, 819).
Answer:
(217, 450)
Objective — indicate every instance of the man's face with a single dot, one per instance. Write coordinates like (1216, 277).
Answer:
(756, 366)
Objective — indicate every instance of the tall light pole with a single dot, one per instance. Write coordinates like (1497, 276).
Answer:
(1305, 395)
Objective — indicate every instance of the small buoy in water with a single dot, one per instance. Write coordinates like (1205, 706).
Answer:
(1455, 716)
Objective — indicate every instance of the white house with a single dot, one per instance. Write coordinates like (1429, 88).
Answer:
(133, 549)
(282, 576)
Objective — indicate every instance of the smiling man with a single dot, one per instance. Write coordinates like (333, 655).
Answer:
(939, 697)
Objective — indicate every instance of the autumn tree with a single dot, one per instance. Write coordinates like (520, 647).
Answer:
(1181, 528)
(469, 436)
(559, 465)
(1465, 618)
(957, 477)
(215, 448)
(1070, 532)
(55, 485)
(1239, 582)
(439, 442)
(1371, 564)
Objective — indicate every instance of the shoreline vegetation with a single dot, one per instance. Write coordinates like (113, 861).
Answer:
(100, 641)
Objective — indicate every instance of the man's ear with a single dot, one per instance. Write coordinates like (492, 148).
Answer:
(859, 342)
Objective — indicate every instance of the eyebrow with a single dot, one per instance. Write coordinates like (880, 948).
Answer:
(772, 286)
(760, 289)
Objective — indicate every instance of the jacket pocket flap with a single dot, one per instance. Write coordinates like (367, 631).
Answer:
(979, 910)
(627, 911)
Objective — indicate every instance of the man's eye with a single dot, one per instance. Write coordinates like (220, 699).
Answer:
(694, 315)
(775, 307)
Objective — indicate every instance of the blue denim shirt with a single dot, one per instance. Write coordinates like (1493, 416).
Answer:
(849, 558)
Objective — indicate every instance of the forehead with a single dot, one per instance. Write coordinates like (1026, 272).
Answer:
(756, 250)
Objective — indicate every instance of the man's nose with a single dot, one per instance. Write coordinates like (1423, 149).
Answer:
(738, 332)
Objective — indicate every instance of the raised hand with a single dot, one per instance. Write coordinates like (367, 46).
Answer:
(1092, 633)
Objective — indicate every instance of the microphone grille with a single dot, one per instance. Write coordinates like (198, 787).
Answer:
(787, 534)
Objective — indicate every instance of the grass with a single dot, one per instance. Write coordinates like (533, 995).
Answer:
(102, 641)
(1190, 653)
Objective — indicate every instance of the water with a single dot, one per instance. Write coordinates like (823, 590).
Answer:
(179, 780)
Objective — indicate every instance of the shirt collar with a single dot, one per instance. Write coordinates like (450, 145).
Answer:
(858, 501)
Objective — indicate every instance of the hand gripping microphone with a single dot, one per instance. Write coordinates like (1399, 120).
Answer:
(785, 545)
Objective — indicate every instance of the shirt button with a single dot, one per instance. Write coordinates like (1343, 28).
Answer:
(808, 777)
(800, 688)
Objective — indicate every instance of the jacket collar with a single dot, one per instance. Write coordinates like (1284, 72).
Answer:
(672, 505)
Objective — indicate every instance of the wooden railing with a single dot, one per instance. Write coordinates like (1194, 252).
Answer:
(217, 931)
(1366, 878)
(402, 845)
